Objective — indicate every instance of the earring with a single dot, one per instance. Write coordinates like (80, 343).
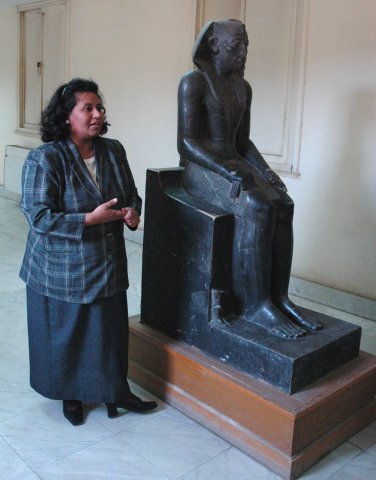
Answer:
(67, 122)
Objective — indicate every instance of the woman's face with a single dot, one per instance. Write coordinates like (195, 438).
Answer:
(87, 117)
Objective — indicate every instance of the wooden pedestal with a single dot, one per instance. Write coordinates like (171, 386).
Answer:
(286, 433)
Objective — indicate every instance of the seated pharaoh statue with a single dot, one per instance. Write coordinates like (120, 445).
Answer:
(223, 167)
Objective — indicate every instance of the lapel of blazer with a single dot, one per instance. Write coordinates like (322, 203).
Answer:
(103, 160)
(82, 173)
(112, 178)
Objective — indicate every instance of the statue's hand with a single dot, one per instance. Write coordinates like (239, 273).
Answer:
(269, 176)
(241, 181)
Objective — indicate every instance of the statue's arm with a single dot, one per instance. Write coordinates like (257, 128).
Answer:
(191, 144)
(248, 149)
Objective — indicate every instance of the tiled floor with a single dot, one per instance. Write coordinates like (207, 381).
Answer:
(36, 442)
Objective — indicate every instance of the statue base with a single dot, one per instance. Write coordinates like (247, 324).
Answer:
(286, 364)
(286, 433)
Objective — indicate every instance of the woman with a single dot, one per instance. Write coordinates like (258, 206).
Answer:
(77, 193)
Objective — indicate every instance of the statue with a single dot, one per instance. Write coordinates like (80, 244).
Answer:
(218, 236)
(223, 167)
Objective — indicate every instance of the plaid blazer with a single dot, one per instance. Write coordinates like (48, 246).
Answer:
(63, 258)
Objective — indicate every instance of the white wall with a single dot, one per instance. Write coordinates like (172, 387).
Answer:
(138, 49)
(335, 195)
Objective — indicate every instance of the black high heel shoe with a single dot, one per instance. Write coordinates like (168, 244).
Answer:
(73, 412)
(132, 404)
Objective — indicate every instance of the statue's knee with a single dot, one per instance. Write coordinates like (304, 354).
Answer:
(258, 203)
(286, 210)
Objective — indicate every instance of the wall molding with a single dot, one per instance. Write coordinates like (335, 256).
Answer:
(331, 297)
(284, 155)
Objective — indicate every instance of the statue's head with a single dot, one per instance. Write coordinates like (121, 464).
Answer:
(223, 43)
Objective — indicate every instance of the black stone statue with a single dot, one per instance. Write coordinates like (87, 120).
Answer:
(224, 167)
(218, 236)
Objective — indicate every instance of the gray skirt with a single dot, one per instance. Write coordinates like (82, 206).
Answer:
(78, 351)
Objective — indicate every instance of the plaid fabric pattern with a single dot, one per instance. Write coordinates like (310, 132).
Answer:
(63, 258)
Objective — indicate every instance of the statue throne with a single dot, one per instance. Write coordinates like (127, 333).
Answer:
(186, 293)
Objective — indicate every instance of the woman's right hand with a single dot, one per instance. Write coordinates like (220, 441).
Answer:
(104, 213)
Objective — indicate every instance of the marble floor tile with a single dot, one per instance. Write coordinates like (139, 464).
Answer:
(231, 464)
(10, 282)
(13, 350)
(362, 467)
(372, 451)
(42, 435)
(107, 460)
(134, 254)
(11, 466)
(15, 403)
(14, 379)
(28, 476)
(368, 344)
(366, 438)
(134, 302)
(173, 443)
(331, 463)
(13, 325)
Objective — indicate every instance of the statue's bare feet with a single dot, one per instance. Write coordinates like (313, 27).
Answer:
(273, 320)
(292, 311)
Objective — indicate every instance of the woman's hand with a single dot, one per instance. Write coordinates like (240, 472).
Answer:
(131, 218)
(104, 213)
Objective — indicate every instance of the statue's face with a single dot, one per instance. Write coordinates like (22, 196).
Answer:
(232, 48)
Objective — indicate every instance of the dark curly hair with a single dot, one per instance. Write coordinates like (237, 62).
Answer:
(53, 124)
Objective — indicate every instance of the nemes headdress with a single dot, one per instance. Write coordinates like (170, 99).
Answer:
(201, 52)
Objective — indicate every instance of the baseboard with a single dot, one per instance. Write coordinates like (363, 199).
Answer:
(346, 302)
(15, 197)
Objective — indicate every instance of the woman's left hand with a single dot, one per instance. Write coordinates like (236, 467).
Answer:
(131, 218)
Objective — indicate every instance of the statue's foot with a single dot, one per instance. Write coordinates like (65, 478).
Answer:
(274, 321)
(292, 311)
